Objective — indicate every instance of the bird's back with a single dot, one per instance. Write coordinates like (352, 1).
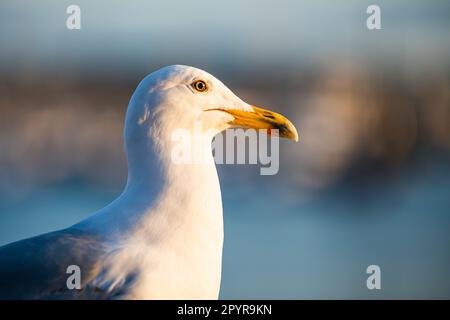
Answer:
(36, 268)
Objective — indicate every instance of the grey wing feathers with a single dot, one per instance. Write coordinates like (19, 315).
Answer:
(35, 268)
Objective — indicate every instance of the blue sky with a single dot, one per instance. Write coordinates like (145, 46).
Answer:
(141, 33)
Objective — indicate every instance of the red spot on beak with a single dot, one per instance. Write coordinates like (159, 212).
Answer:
(269, 132)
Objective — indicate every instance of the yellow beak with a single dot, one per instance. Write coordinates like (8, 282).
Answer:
(262, 119)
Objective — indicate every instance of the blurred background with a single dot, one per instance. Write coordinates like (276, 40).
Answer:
(369, 182)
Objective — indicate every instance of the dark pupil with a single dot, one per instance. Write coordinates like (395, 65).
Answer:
(200, 85)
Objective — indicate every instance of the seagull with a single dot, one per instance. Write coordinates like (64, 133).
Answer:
(162, 237)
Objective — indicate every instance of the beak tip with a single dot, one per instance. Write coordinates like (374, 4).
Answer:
(296, 136)
(293, 134)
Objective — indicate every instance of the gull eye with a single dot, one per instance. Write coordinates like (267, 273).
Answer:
(199, 85)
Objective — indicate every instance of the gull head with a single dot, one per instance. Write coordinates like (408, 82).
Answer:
(181, 96)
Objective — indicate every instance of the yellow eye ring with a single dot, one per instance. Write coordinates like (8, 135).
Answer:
(199, 85)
